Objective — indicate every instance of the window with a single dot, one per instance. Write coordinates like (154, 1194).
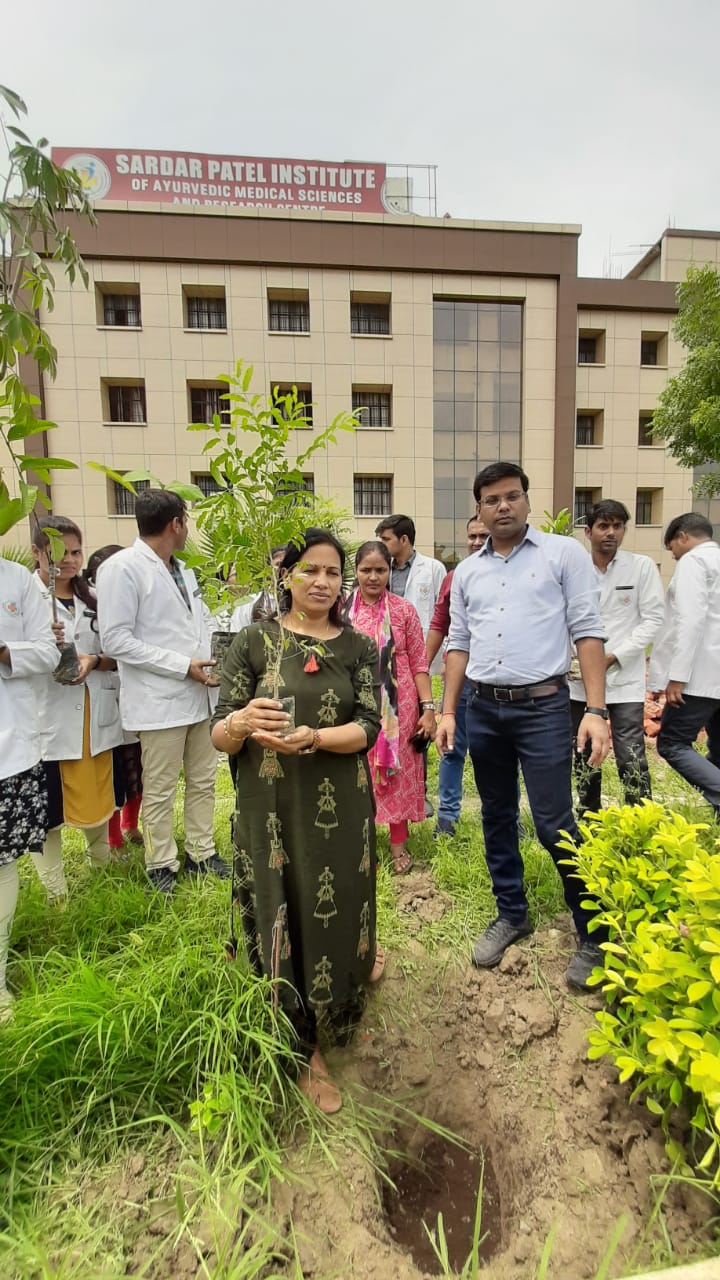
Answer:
(122, 501)
(584, 500)
(207, 401)
(645, 438)
(206, 310)
(648, 506)
(207, 483)
(588, 428)
(368, 318)
(372, 495)
(120, 308)
(295, 488)
(126, 402)
(288, 314)
(591, 346)
(304, 393)
(373, 407)
(653, 349)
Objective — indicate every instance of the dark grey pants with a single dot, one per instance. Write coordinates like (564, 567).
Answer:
(679, 728)
(628, 740)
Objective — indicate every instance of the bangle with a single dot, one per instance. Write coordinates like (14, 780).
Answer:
(449, 713)
(428, 706)
(234, 737)
(310, 751)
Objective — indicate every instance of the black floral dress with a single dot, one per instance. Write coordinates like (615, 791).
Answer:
(303, 829)
(23, 813)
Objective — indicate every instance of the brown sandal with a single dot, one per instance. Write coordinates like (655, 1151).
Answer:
(402, 864)
(378, 968)
(316, 1084)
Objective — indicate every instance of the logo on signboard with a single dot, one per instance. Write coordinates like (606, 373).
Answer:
(94, 173)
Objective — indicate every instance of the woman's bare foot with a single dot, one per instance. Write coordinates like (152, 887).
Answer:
(315, 1083)
(378, 968)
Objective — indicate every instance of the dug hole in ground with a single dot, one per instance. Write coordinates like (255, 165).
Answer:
(500, 1058)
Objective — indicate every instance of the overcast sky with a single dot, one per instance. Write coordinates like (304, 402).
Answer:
(604, 114)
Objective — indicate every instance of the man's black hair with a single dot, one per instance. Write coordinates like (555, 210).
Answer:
(155, 508)
(499, 471)
(476, 519)
(401, 526)
(609, 509)
(691, 522)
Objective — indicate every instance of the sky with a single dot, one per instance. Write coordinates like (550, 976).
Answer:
(602, 114)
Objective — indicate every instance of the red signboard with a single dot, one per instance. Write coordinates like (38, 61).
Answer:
(184, 177)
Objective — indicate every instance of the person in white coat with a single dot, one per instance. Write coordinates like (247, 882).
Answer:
(632, 607)
(153, 622)
(685, 661)
(27, 652)
(80, 722)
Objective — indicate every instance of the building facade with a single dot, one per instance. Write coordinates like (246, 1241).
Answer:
(460, 343)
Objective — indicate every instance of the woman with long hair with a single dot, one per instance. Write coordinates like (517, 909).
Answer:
(407, 710)
(79, 722)
(303, 830)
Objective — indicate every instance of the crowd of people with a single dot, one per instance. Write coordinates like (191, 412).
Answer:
(324, 707)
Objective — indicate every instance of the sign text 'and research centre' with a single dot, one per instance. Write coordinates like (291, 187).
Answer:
(184, 177)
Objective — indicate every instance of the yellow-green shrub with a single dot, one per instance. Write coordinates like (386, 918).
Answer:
(658, 888)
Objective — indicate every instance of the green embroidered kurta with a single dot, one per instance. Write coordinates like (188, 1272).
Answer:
(303, 828)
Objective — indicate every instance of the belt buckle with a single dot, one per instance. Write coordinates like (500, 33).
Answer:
(502, 695)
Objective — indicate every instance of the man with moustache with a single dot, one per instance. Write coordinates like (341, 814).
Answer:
(632, 607)
(515, 607)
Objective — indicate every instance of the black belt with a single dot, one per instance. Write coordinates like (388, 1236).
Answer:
(517, 692)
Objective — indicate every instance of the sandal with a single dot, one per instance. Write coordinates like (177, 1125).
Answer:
(402, 863)
(316, 1084)
(378, 968)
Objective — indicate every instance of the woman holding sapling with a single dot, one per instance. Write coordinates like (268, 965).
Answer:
(407, 710)
(304, 833)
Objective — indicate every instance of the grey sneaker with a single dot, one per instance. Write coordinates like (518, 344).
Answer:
(162, 879)
(494, 942)
(587, 957)
(444, 827)
(214, 864)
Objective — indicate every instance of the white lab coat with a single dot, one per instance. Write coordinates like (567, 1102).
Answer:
(632, 607)
(62, 706)
(422, 589)
(25, 629)
(688, 647)
(146, 626)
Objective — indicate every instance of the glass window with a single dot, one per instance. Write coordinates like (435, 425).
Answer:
(373, 407)
(443, 384)
(488, 358)
(509, 386)
(511, 357)
(444, 473)
(443, 415)
(511, 322)
(466, 355)
(465, 446)
(207, 483)
(122, 310)
(122, 500)
(444, 324)
(586, 350)
(649, 351)
(444, 504)
(304, 405)
(443, 355)
(488, 417)
(369, 317)
(372, 495)
(295, 489)
(205, 312)
(289, 315)
(465, 386)
(205, 402)
(584, 499)
(127, 403)
(465, 322)
(647, 506)
(465, 416)
(488, 323)
(645, 436)
(510, 415)
(585, 430)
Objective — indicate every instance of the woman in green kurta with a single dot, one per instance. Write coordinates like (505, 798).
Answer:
(303, 828)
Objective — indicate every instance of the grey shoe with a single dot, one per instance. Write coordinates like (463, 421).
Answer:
(587, 957)
(444, 827)
(162, 879)
(494, 942)
(214, 864)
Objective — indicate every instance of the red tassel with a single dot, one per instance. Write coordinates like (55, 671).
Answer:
(311, 663)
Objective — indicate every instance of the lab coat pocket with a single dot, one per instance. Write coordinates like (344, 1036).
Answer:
(107, 707)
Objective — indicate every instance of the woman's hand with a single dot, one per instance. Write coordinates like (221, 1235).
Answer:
(292, 745)
(260, 715)
(58, 630)
(427, 725)
(87, 663)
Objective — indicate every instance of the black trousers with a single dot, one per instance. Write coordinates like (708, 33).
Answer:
(626, 722)
(679, 728)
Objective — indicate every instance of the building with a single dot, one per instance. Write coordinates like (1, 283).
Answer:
(464, 342)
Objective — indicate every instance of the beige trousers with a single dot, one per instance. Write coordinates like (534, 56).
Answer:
(164, 753)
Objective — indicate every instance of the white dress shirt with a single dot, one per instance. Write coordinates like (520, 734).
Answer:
(632, 607)
(688, 647)
(515, 616)
(25, 629)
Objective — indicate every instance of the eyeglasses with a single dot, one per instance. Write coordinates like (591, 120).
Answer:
(495, 499)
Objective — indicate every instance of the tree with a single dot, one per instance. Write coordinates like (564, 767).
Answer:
(35, 196)
(688, 412)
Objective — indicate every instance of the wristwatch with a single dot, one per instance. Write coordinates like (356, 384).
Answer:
(598, 711)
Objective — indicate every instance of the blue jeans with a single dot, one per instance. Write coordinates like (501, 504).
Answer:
(679, 728)
(537, 735)
(452, 764)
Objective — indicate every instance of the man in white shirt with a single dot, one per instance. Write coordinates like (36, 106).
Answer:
(686, 657)
(153, 622)
(632, 607)
(416, 578)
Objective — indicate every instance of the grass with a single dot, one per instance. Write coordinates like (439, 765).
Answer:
(132, 1034)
